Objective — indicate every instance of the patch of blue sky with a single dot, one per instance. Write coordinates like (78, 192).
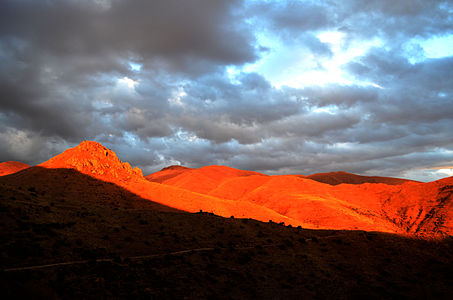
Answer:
(135, 66)
(330, 109)
(131, 138)
(439, 46)
(296, 66)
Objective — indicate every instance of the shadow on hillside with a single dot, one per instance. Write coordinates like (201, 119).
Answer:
(71, 186)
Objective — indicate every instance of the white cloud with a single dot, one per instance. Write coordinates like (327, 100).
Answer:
(127, 82)
(176, 97)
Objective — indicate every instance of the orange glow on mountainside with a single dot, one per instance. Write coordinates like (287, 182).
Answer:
(10, 167)
(371, 203)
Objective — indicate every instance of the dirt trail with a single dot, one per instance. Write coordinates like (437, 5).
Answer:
(180, 252)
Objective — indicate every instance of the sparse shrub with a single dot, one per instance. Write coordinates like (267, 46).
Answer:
(338, 241)
(24, 225)
(244, 258)
(302, 240)
(286, 286)
(55, 248)
(304, 256)
(176, 238)
(88, 254)
(288, 243)
(22, 248)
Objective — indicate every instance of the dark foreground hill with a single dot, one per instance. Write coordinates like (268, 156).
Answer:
(85, 243)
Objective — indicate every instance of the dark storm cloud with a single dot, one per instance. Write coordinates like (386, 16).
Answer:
(65, 76)
(251, 101)
(340, 96)
(59, 56)
(395, 21)
(296, 16)
(413, 93)
(294, 22)
(170, 30)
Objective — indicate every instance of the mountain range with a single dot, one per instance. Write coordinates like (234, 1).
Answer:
(336, 200)
(86, 225)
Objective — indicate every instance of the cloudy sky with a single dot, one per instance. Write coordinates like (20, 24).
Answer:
(278, 87)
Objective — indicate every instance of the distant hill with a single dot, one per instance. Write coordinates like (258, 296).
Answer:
(364, 202)
(11, 167)
(200, 180)
(167, 173)
(335, 178)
